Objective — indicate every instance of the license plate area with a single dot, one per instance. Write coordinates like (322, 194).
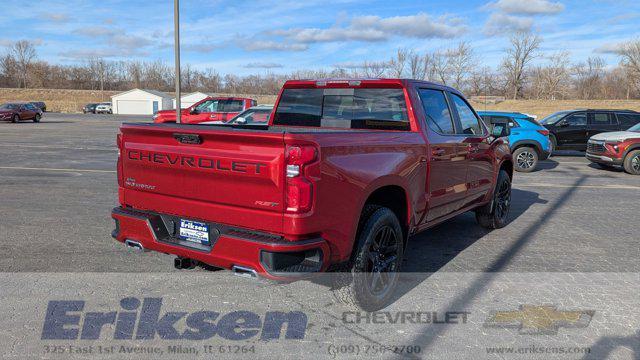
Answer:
(194, 231)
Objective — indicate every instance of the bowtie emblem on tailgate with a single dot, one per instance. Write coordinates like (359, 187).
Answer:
(193, 139)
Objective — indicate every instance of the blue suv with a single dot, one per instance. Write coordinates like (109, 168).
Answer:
(529, 140)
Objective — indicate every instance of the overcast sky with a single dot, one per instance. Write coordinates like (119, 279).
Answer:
(280, 36)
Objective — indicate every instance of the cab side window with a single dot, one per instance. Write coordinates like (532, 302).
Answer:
(470, 123)
(578, 119)
(437, 111)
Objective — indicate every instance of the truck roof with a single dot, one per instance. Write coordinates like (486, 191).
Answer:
(363, 82)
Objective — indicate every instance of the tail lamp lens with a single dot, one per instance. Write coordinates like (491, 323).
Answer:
(299, 192)
(544, 132)
(119, 163)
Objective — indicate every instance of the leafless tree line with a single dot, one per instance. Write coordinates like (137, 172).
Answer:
(524, 73)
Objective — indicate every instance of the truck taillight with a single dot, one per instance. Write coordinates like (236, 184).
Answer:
(119, 163)
(299, 192)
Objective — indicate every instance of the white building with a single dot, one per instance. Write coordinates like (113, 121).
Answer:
(189, 99)
(140, 102)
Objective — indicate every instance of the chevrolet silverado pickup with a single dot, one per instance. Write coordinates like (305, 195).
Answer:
(220, 109)
(340, 178)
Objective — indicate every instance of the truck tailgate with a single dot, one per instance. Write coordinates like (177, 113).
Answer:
(209, 173)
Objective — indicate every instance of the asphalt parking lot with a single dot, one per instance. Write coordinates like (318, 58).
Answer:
(574, 229)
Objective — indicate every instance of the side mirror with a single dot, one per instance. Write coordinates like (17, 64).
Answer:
(241, 120)
(194, 111)
(562, 123)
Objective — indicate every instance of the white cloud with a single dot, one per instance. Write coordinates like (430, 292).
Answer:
(263, 65)
(267, 45)
(609, 48)
(527, 7)
(376, 28)
(96, 31)
(499, 24)
(83, 54)
(120, 43)
(57, 17)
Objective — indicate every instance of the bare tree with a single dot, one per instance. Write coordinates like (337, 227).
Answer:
(374, 69)
(24, 52)
(397, 64)
(440, 67)
(552, 80)
(630, 59)
(416, 65)
(523, 50)
(588, 77)
(460, 63)
(134, 70)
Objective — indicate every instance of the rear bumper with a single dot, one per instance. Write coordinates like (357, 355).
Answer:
(603, 159)
(269, 255)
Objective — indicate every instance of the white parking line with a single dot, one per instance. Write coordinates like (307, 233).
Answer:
(566, 162)
(606, 187)
(55, 169)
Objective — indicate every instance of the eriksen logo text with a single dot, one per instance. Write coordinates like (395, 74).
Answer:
(143, 320)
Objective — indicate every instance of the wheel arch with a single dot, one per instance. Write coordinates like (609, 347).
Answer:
(528, 143)
(391, 195)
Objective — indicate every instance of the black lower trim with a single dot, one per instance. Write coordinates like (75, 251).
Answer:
(599, 160)
(286, 263)
(163, 227)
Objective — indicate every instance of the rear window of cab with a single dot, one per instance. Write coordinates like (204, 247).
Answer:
(380, 109)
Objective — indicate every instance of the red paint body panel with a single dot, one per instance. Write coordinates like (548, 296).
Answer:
(237, 178)
(188, 117)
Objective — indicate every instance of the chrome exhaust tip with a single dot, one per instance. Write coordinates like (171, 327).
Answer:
(244, 272)
(134, 245)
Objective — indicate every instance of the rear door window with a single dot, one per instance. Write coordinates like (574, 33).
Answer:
(437, 111)
(382, 109)
(602, 119)
(230, 106)
(628, 120)
(470, 124)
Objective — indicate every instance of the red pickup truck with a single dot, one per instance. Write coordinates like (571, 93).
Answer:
(208, 109)
(345, 172)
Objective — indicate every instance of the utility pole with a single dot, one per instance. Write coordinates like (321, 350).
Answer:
(176, 31)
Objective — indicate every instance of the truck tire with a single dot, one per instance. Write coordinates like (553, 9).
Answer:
(554, 144)
(526, 159)
(495, 214)
(369, 280)
(632, 162)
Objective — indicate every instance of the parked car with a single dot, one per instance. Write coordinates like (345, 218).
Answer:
(620, 148)
(345, 173)
(40, 105)
(104, 108)
(529, 140)
(18, 111)
(209, 109)
(89, 108)
(257, 115)
(570, 130)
